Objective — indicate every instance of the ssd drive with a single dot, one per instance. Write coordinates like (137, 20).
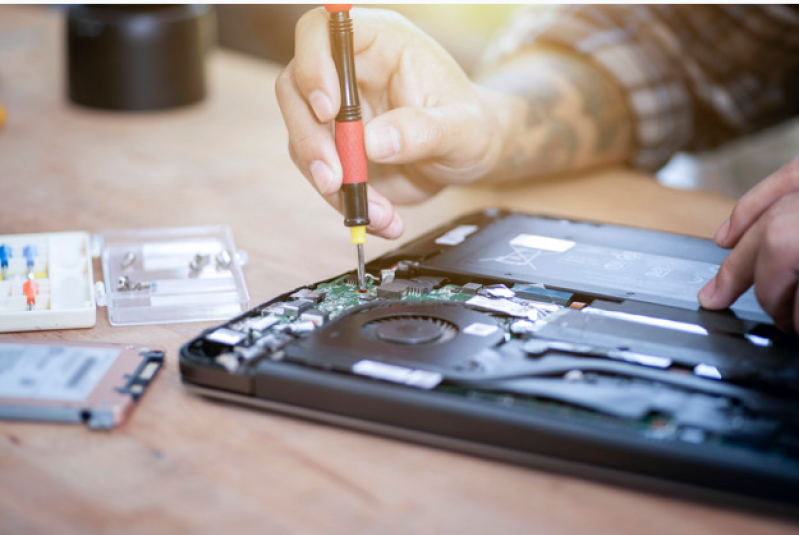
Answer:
(551, 343)
(74, 382)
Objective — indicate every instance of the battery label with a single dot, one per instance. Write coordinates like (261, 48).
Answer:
(456, 235)
(52, 372)
(533, 241)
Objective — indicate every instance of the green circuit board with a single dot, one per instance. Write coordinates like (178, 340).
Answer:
(341, 294)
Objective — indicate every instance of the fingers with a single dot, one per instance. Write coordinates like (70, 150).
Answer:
(308, 93)
(407, 135)
(456, 133)
(404, 185)
(767, 256)
(755, 203)
(311, 144)
(778, 264)
(315, 71)
(382, 33)
(384, 221)
(736, 274)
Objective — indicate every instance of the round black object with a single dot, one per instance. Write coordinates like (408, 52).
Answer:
(410, 330)
(432, 335)
(135, 58)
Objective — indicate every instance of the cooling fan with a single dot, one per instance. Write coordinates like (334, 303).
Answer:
(410, 329)
(435, 335)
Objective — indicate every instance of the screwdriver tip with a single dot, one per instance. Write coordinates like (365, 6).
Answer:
(361, 270)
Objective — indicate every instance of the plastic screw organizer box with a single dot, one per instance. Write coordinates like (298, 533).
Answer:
(149, 276)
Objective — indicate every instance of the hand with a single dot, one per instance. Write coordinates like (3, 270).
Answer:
(764, 231)
(425, 122)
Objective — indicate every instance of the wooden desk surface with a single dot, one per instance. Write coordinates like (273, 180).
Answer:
(184, 464)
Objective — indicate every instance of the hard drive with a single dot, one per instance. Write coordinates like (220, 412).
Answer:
(97, 384)
(562, 345)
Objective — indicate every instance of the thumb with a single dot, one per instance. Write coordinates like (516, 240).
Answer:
(407, 135)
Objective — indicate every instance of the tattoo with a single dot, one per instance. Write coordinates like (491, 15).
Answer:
(601, 104)
(568, 116)
(559, 148)
(540, 108)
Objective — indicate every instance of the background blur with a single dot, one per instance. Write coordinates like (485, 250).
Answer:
(267, 32)
(465, 30)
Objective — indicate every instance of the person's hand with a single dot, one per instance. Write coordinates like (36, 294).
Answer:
(763, 231)
(425, 122)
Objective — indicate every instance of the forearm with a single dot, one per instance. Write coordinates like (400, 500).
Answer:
(555, 114)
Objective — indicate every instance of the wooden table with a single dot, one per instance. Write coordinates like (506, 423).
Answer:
(185, 464)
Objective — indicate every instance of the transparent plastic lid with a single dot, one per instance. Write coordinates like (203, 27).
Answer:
(171, 275)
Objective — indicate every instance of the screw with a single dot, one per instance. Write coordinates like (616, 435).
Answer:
(199, 261)
(223, 260)
(124, 284)
(128, 259)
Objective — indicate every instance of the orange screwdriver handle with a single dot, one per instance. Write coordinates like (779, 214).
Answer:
(351, 151)
(337, 8)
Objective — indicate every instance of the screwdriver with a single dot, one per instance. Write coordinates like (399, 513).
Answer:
(5, 254)
(349, 133)
(30, 252)
(29, 289)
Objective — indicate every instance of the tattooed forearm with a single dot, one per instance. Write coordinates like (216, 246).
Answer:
(558, 114)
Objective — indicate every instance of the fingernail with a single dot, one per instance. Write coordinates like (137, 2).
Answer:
(706, 293)
(322, 106)
(376, 213)
(322, 175)
(721, 233)
(382, 142)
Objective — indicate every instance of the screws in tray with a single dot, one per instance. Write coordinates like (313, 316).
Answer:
(199, 262)
(128, 259)
(223, 261)
(124, 284)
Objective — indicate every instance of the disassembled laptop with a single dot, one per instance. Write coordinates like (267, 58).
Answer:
(446, 329)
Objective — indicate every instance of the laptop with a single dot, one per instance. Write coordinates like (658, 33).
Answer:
(562, 345)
